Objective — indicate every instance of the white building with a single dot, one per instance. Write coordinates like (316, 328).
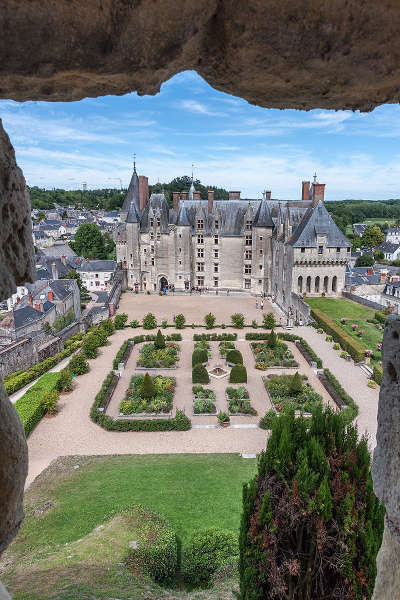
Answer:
(96, 274)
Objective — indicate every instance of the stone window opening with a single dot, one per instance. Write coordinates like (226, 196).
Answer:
(200, 281)
(200, 224)
(300, 284)
(216, 253)
(200, 252)
(247, 284)
(216, 282)
(247, 269)
(249, 225)
(216, 239)
(248, 240)
(303, 249)
(200, 266)
(200, 239)
(152, 262)
(320, 249)
(151, 222)
(247, 254)
(334, 283)
(215, 267)
(316, 286)
(158, 236)
(308, 284)
(158, 222)
(326, 283)
(151, 235)
(337, 249)
(216, 224)
(260, 252)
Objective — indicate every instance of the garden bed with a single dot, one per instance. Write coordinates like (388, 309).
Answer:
(203, 345)
(151, 357)
(238, 402)
(277, 357)
(291, 391)
(225, 347)
(203, 401)
(138, 400)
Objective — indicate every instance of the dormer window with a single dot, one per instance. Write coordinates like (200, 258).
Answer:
(158, 222)
(320, 249)
(249, 225)
(303, 249)
(200, 224)
(216, 224)
(151, 222)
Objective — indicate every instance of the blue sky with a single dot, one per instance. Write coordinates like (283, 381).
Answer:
(231, 143)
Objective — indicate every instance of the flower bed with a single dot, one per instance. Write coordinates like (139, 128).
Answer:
(291, 391)
(266, 357)
(225, 347)
(203, 345)
(151, 357)
(215, 337)
(238, 401)
(203, 403)
(137, 402)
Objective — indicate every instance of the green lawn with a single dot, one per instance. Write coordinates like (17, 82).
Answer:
(193, 491)
(337, 308)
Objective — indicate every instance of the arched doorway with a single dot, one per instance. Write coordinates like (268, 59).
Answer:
(163, 283)
(326, 283)
(317, 284)
(308, 284)
(300, 285)
(334, 283)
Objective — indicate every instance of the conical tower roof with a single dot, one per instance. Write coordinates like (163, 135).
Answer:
(183, 218)
(263, 216)
(133, 193)
(132, 216)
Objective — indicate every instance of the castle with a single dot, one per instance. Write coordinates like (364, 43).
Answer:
(280, 248)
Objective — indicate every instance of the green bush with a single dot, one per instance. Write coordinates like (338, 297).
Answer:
(49, 402)
(351, 411)
(238, 374)
(90, 346)
(209, 320)
(336, 346)
(199, 356)
(207, 552)
(268, 419)
(120, 321)
(269, 321)
(134, 323)
(159, 342)
(235, 357)
(148, 389)
(254, 324)
(272, 340)
(164, 323)
(158, 554)
(238, 320)
(381, 317)
(78, 365)
(107, 326)
(348, 343)
(29, 407)
(64, 383)
(200, 374)
(149, 321)
(378, 374)
(180, 321)
(215, 337)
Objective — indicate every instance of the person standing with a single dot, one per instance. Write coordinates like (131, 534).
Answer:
(262, 304)
(256, 304)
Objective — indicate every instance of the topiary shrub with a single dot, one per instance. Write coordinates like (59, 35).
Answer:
(147, 389)
(89, 346)
(149, 321)
(200, 374)
(272, 340)
(238, 374)
(269, 321)
(207, 552)
(296, 385)
(78, 365)
(120, 320)
(199, 356)
(49, 402)
(235, 357)
(159, 342)
(134, 323)
(164, 323)
(180, 321)
(315, 476)
(238, 320)
(64, 382)
(209, 320)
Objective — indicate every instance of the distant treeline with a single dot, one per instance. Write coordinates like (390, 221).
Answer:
(112, 199)
(347, 212)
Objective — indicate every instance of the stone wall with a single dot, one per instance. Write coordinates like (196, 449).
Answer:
(363, 301)
(300, 309)
(18, 356)
(70, 330)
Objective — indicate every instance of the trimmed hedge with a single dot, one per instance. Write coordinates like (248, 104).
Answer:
(289, 337)
(121, 353)
(200, 374)
(238, 374)
(235, 357)
(351, 411)
(215, 337)
(378, 374)
(348, 343)
(29, 406)
(199, 356)
(16, 381)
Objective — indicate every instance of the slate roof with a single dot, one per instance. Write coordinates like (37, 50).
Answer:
(358, 276)
(263, 216)
(132, 216)
(389, 247)
(132, 194)
(25, 316)
(97, 266)
(317, 221)
(61, 288)
(59, 250)
(183, 219)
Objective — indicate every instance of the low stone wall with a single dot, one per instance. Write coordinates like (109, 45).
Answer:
(70, 330)
(49, 348)
(363, 301)
(18, 356)
(301, 309)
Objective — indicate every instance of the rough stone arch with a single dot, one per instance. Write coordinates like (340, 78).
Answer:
(334, 284)
(326, 284)
(317, 284)
(308, 284)
(300, 284)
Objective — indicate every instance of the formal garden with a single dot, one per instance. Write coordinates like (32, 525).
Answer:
(272, 353)
(159, 354)
(238, 401)
(148, 395)
(292, 391)
(203, 400)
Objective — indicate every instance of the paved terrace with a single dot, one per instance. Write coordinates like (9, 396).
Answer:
(72, 433)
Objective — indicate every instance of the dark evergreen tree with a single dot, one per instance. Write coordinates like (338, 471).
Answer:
(147, 389)
(296, 384)
(311, 524)
(272, 339)
(159, 342)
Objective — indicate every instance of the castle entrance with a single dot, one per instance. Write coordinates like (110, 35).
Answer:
(163, 283)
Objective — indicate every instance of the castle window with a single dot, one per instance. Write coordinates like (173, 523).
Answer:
(216, 253)
(303, 249)
(200, 224)
(180, 262)
(261, 252)
(152, 262)
(131, 255)
(248, 241)
(247, 284)
(151, 235)
(249, 224)
(152, 249)
(180, 235)
(200, 239)
(151, 222)
(215, 267)
(348, 249)
(200, 281)
(216, 224)
(247, 269)
(320, 249)
(200, 252)
(200, 266)
(144, 250)
(260, 267)
(158, 236)
(261, 238)
(247, 255)
(216, 282)
(259, 281)
(337, 249)
(216, 239)
(158, 222)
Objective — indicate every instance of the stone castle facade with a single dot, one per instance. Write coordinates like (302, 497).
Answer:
(280, 248)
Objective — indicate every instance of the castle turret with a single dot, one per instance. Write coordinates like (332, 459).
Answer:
(133, 195)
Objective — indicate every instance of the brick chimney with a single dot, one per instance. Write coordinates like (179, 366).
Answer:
(143, 191)
(64, 260)
(234, 195)
(18, 299)
(318, 193)
(305, 190)
(196, 195)
(184, 195)
(30, 299)
(54, 270)
(176, 197)
(50, 295)
(268, 194)
(210, 201)
(37, 306)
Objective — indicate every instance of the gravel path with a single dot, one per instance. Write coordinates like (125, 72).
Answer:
(72, 433)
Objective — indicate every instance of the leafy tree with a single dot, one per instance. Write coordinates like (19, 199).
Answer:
(147, 389)
(64, 381)
(378, 255)
(89, 242)
(238, 320)
(272, 339)
(41, 215)
(120, 320)
(108, 326)
(159, 342)
(269, 321)
(311, 525)
(365, 261)
(180, 321)
(209, 320)
(372, 236)
(296, 385)
(78, 365)
(149, 321)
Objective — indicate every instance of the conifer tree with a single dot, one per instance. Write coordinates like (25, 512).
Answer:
(148, 389)
(296, 384)
(272, 339)
(159, 342)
